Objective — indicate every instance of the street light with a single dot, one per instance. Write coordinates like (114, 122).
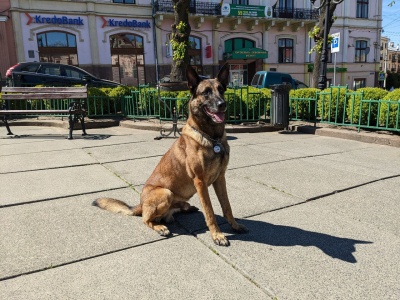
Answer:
(324, 56)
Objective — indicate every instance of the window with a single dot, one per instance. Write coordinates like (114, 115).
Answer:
(57, 47)
(362, 9)
(124, 1)
(194, 52)
(127, 58)
(241, 2)
(286, 4)
(285, 50)
(358, 83)
(238, 43)
(361, 51)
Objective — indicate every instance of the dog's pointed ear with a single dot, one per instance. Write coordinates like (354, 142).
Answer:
(192, 78)
(223, 75)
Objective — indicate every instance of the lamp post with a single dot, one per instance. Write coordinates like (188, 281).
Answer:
(324, 55)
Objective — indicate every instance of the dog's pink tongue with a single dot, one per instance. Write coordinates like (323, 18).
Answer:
(220, 117)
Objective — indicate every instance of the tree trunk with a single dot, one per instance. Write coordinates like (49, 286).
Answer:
(320, 38)
(181, 14)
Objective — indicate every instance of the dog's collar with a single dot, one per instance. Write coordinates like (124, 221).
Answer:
(218, 147)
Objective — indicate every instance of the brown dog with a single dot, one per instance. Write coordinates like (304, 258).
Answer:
(197, 159)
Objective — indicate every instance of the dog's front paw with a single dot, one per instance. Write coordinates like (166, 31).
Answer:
(220, 239)
(162, 230)
(240, 228)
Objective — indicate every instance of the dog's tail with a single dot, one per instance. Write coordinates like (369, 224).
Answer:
(117, 206)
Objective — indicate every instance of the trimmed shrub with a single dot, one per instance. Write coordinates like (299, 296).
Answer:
(389, 111)
(331, 104)
(303, 103)
(371, 109)
(246, 103)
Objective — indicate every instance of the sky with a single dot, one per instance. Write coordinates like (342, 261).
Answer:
(391, 20)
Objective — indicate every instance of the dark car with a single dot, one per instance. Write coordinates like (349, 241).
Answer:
(44, 73)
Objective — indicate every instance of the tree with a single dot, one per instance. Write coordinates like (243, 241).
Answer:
(318, 34)
(180, 40)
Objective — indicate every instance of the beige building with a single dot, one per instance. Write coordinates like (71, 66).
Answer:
(128, 40)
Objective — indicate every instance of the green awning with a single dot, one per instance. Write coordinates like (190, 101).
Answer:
(246, 53)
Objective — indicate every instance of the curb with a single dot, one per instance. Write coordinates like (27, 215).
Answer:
(381, 138)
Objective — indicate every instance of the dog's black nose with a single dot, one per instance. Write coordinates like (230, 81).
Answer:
(221, 104)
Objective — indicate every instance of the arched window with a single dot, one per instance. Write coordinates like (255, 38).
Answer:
(127, 56)
(238, 43)
(238, 70)
(57, 47)
(194, 52)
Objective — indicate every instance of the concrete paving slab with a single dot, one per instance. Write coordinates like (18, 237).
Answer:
(44, 160)
(187, 270)
(135, 171)
(376, 158)
(24, 146)
(43, 235)
(31, 186)
(311, 252)
(376, 204)
(121, 152)
(302, 178)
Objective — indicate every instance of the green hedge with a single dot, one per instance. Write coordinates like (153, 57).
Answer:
(389, 112)
(331, 104)
(301, 105)
(371, 109)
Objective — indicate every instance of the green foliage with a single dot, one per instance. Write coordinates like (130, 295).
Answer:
(247, 103)
(331, 104)
(354, 102)
(389, 111)
(301, 106)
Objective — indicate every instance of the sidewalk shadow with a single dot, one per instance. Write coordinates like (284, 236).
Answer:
(280, 235)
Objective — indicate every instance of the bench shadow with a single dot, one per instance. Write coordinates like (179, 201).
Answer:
(283, 236)
(59, 136)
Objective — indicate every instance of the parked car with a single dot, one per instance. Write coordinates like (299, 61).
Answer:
(35, 73)
(264, 79)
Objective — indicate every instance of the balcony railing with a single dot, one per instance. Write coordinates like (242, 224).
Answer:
(195, 7)
(296, 13)
(214, 9)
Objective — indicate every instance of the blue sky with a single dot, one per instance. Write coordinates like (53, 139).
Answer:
(391, 21)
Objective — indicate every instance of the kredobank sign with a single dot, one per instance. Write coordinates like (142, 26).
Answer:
(125, 23)
(54, 20)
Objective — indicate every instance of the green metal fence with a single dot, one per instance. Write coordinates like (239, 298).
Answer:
(341, 107)
(336, 105)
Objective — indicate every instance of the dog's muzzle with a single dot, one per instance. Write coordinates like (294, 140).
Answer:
(218, 114)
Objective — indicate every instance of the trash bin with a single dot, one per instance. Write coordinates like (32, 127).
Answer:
(280, 104)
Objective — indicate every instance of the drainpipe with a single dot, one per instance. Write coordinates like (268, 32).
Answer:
(155, 39)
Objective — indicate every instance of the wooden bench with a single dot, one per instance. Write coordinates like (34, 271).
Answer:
(54, 101)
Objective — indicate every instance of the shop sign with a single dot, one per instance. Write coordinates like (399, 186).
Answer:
(125, 23)
(55, 20)
(245, 10)
(247, 53)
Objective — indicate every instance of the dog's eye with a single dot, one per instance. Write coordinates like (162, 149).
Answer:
(207, 91)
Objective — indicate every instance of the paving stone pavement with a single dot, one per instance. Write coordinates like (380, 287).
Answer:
(323, 215)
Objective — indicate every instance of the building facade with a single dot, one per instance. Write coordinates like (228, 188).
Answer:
(129, 40)
(7, 42)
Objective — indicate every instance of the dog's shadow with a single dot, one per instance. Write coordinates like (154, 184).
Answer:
(285, 236)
